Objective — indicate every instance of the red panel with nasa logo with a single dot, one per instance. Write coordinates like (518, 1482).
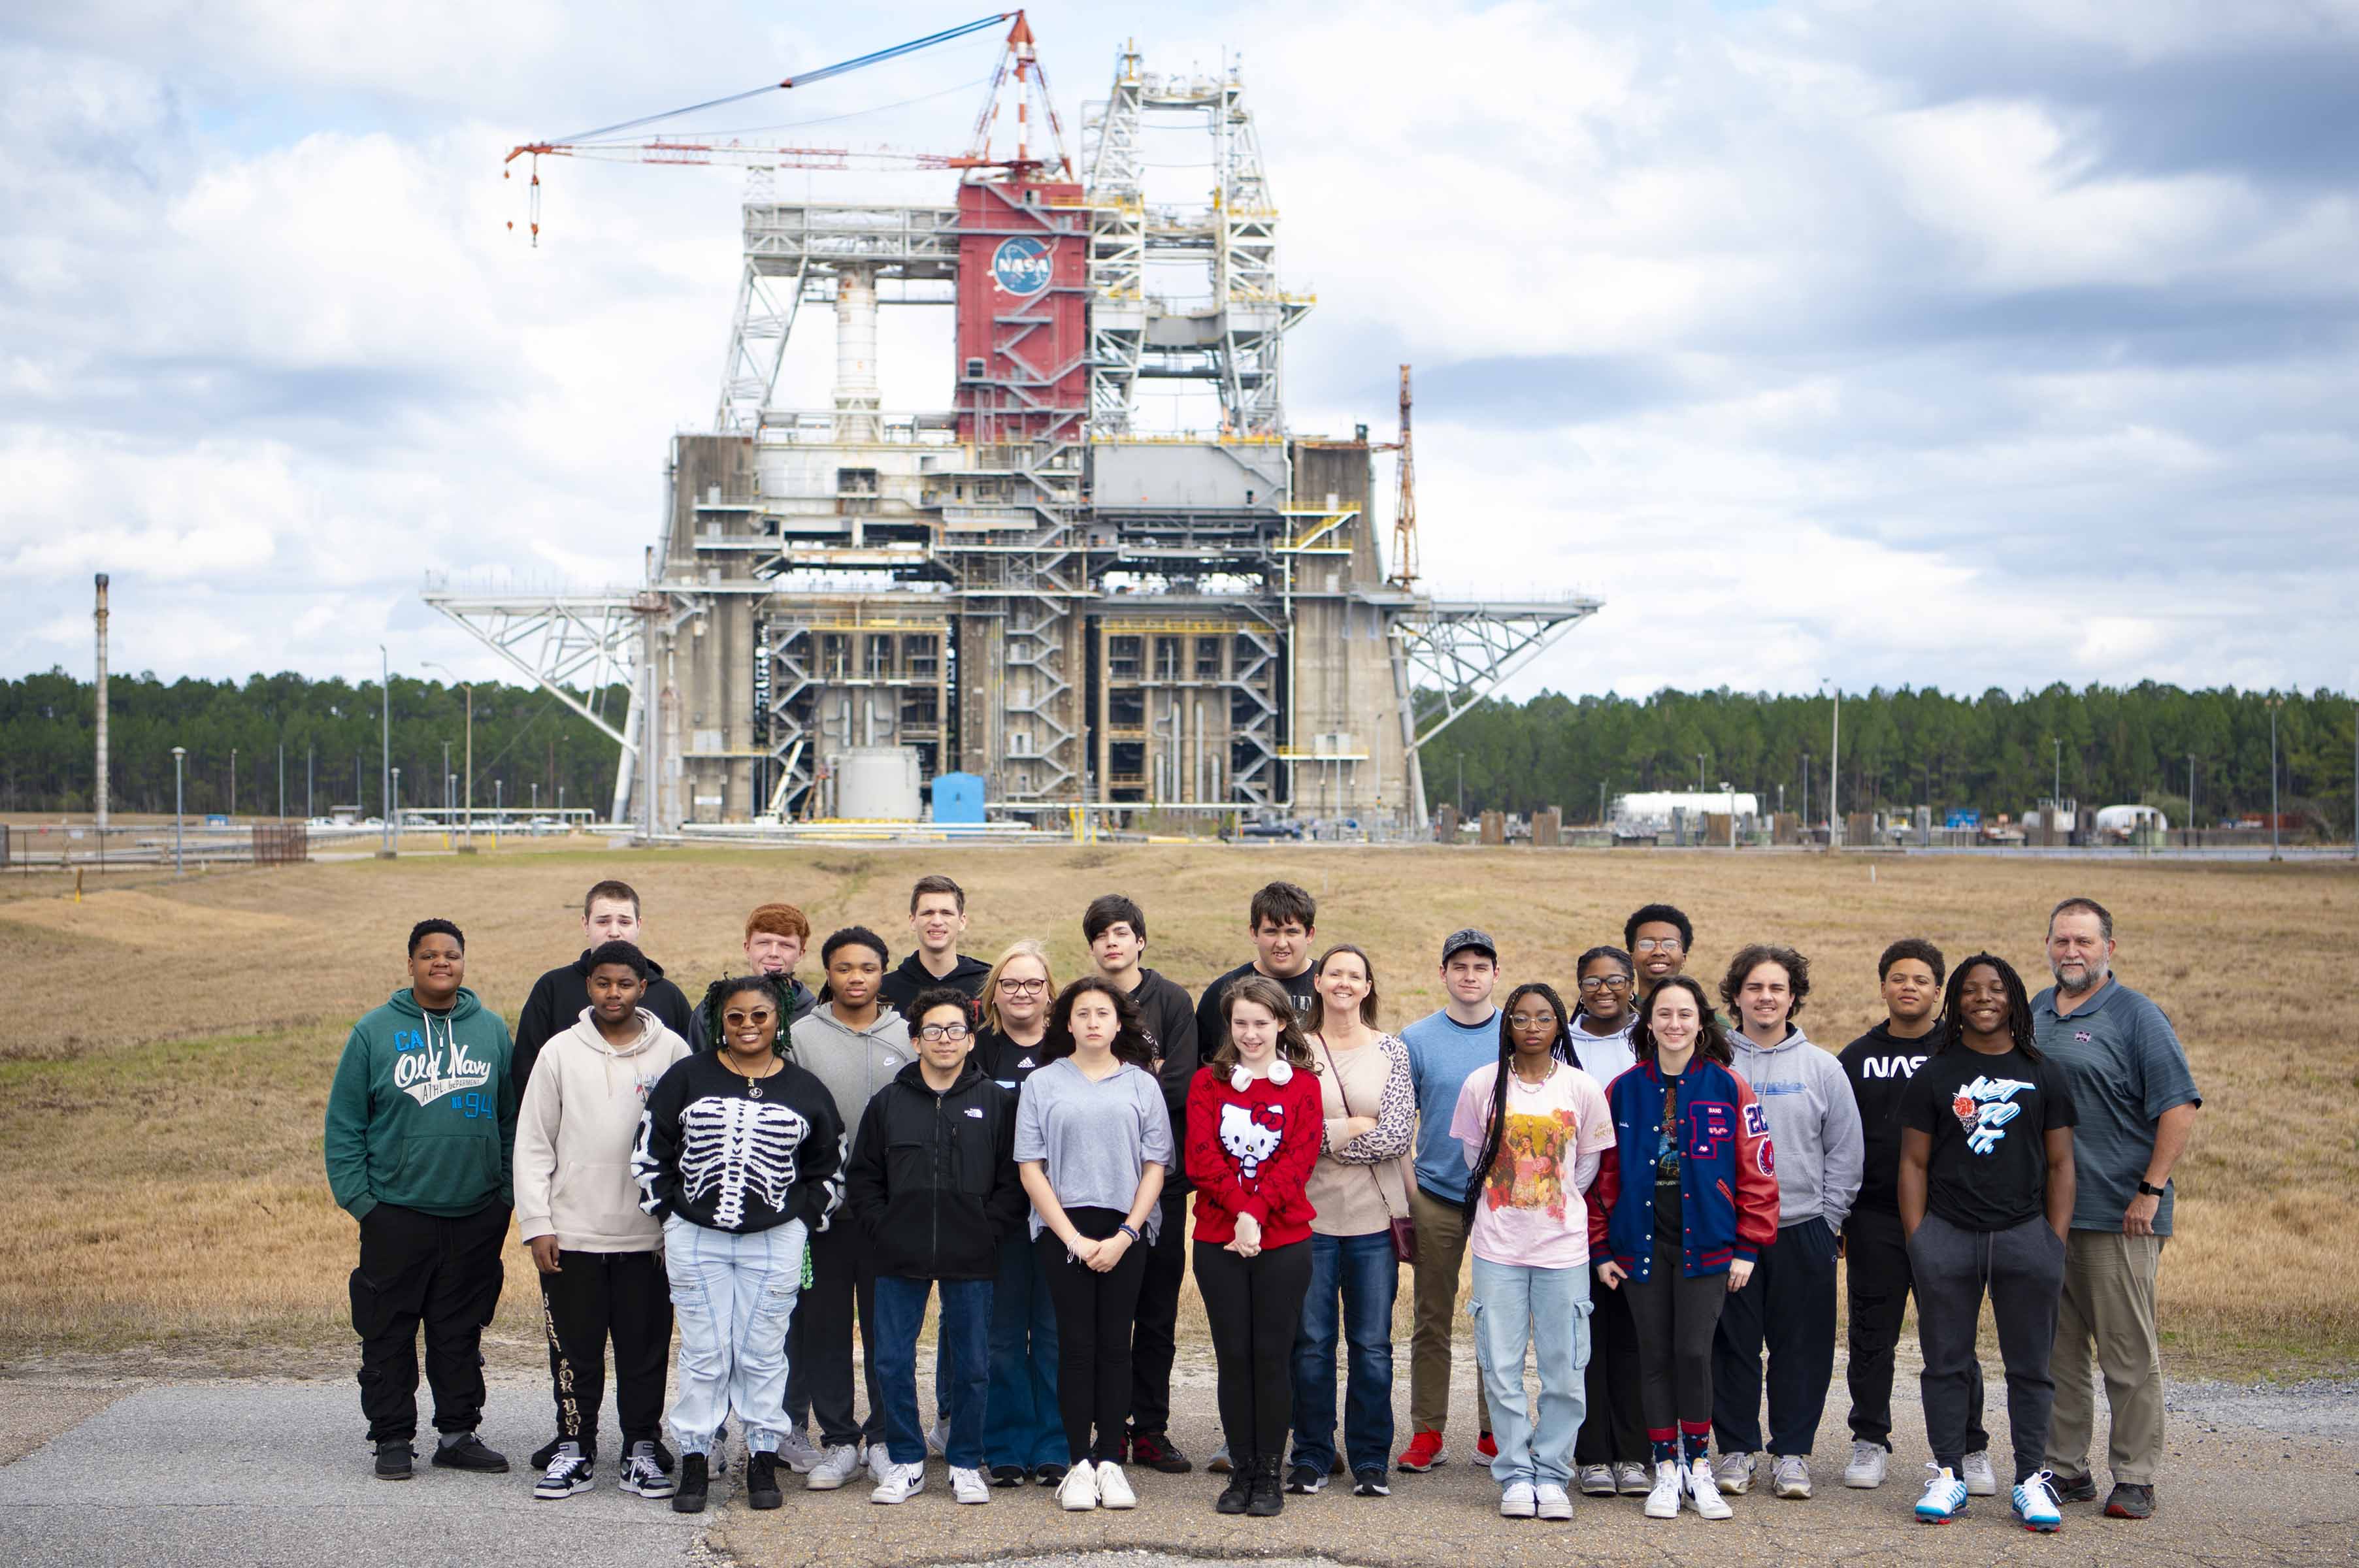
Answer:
(1023, 313)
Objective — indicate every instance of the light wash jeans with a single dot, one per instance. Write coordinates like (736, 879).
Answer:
(733, 1295)
(1546, 1310)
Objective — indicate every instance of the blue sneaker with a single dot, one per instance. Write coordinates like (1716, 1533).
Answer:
(2036, 1505)
(1944, 1498)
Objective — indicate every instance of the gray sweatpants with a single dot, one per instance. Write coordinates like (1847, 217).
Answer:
(2023, 1269)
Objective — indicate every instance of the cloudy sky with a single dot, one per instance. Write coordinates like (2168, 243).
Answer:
(1889, 342)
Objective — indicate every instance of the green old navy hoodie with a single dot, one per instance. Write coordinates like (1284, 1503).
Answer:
(422, 1113)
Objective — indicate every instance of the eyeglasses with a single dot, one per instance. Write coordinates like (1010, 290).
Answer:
(1021, 987)
(1658, 944)
(736, 1020)
(1606, 983)
(945, 1031)
(1531, 1020)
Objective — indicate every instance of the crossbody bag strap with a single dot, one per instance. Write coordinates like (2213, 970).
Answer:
(1345, 1095)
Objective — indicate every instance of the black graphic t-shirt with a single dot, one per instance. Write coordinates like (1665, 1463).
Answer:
(1989, 1117)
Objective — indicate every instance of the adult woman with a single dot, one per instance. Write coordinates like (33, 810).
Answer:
(1369, 1103)
(1023, 1436)
(1610, 1456)
(1986, 1184)
(1709, 1158)
(1535, 1128)
(1093, 1141)
(1254, 1132)
(738, 1155)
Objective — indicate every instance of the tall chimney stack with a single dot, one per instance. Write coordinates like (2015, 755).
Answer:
(101, 793)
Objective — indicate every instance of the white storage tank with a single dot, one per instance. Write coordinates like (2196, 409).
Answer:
(877, 784)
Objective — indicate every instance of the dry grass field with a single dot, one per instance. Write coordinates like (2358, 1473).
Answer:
(169, 1045)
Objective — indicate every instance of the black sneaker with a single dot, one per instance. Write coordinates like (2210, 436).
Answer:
(1052, 1474)
(569, 1474)
(393, 1457)
(2129, 1500)
(1237, 1495)
(694, 1486)
(762, 1480)
(1268, 1495)
(1371, 1484)
(1008, 1476)
(1157, 1451)
(469, 1454)
(2075, 1489)
(1305, 1479)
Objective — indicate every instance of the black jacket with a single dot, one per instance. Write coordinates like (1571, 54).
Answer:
(1169, 1020)
(932, 1183)
(910, 978)
(1879, 1068)
(794, 998)
(555, 1006)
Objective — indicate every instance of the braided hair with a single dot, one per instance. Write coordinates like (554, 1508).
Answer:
(1495, 1130)
(2018, 1007)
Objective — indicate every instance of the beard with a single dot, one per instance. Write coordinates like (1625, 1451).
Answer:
(2092, 975)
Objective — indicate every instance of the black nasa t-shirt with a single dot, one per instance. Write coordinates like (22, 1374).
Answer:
(1989, 1117)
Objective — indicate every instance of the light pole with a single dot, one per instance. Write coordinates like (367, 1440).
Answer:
(2274, 703)
(179, 870)
(2056, 789)
(1730, 790)
(499, 804)
(2191, 796)
(395, 812)
(1834, 762)
(1806, 794)
(233, 781)
(384, 706)
(468, 846)
(282, 781)
(311, 808)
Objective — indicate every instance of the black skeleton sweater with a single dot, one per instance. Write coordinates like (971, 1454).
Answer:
(730, 1152)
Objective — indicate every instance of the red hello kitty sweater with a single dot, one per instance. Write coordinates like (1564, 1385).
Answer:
(1252, 1152)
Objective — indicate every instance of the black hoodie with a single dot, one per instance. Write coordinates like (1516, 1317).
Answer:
(556, 1004)
(932, 1183)
(794, 1000)
(910, 978)
(1879, 1068)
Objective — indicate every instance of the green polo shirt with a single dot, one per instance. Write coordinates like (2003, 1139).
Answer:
(2127, 1067)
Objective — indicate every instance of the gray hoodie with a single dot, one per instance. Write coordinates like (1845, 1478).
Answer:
(1813, 1125)
(854, 1064)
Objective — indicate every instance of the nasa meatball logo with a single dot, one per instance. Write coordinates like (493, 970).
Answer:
(1021, 265)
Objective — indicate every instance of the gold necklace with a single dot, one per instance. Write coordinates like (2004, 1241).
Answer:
(753, 1082)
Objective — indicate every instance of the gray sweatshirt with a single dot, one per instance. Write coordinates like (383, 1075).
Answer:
(854, 1064)
(1813, 1125)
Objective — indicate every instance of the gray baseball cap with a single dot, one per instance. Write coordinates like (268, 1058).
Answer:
(1461, 940)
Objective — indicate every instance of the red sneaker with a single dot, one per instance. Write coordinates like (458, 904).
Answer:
(1423, 1453)
(1487, 1446)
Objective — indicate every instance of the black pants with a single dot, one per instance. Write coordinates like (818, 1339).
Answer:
(421, 1269)
(1788, 1306)
(1155, 1339)
(1094, 1312)
(1674, 1317)
(1614, 1429)
(2023, 1269)
(1877, 1279)
(842, 1277)
(592, 1299)
(1254, 1306)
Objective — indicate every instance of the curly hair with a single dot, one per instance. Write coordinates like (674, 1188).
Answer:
(1751, 957)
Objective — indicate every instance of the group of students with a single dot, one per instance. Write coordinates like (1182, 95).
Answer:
(1653, 1198)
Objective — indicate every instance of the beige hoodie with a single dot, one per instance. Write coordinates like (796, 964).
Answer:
(574, 1134)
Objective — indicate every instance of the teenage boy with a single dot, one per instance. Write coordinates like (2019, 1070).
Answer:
(1115, 929)
(938, 917)
(1659, 937)
(776, 935)
(1877, 1277)
(610, 913)
(855, 1045)
(1445, 1049)
(2137, 1102)
(1282, 919)
(1789, 1303)
(600, 1255)
(932, 1186)
(420, 1145)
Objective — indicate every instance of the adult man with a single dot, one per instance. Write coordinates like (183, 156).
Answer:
(1789, 1304)
(776, 935)
(1444, 1049)
(1282, 919)
(1659, 937)
(420, 1145)
(1878, 1279)
(1115, 929)
(938, 916)
(610, 913)
(2137, 1100)
(854, 1046)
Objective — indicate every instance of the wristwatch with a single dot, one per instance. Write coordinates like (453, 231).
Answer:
(2147, 1189)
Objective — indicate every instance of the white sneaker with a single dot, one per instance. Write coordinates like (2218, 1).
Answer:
(1663, 1502)
(1790, 1477)
(1554, 1501)
(1632, 1479)
(901, 1483)
(798, 1453)
(1079, 1492)
(1944, 1498)
(835, 1466)
(1517, 1499)
(968, 1485)
(1975, 1471)
(568, 1475)
(879, 1460)
(1869, 1462)
(2035, 1504)
(1597, 1480)
(1734, 1475)
(938, 1438)
(1219, 1465)
(1703, 1489)
(1114, 1488)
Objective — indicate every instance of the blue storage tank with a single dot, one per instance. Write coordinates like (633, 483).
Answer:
(958, 797)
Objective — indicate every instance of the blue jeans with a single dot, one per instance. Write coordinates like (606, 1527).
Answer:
(1361, 1274)
(732, 1295)
(1546, 1310)
(960, 1342)
(1021, 1422)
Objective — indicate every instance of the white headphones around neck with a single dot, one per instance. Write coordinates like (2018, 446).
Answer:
(1281, 1073)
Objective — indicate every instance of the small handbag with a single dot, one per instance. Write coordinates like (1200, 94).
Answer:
(1404, 1226)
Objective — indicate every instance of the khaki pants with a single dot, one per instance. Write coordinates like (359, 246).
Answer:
(2108, 1299)
(1440, 1252)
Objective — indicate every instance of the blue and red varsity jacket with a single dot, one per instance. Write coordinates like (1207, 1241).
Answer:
(1728, 1174)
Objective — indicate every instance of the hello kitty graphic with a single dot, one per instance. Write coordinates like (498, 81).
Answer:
(1248, 1139)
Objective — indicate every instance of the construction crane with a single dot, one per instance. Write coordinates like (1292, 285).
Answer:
(1019, 59)
(1404, 572)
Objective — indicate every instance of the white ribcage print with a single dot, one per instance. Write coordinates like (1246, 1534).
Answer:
(729, 1145)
